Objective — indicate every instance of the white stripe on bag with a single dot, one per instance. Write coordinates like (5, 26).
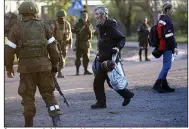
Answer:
(51, 40)
(169, 35)
(11, 44)
(162, 22)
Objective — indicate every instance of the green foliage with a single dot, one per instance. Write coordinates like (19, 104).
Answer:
(180, 18)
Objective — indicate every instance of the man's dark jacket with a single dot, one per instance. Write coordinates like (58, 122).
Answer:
(109, 37)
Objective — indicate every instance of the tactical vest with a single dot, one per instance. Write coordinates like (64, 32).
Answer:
(61, 31)
(33, 40)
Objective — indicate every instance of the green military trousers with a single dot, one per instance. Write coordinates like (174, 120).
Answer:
(27, 90)
(82, 53)
(64, 51)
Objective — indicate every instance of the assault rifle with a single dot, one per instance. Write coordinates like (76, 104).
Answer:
(59, 90)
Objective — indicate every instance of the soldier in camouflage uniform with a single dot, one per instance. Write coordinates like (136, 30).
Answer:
(10, 20)
(62, 33)
(38, 54)
(83, 30)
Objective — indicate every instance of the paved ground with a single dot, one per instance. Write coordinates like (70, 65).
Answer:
(147, 108)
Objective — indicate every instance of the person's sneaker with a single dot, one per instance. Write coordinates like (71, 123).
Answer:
(98, 106)
(87, 72)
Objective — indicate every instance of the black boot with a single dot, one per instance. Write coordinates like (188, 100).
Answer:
(146, 55)
(28, 121)
(158, 86)
(98, 105)
(56, 121)
(127, 95)
(77, 70)
(166, 86)
(86, 72)
(60, 75)
(140, 55)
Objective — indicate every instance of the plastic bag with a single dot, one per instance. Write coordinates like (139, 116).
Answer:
(117, 77)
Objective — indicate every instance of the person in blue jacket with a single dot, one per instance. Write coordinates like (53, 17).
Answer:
(110, 41)
(167, 45)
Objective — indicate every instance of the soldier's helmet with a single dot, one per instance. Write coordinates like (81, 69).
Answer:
(61, 13)
(28, 8)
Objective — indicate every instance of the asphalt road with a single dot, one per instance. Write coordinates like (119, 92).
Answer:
(147, 108)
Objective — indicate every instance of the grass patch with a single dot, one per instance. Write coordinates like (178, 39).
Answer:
(181, 38)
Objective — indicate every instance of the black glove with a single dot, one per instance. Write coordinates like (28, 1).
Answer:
(54, 69)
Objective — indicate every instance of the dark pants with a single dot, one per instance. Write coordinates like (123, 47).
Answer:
(143, 45)
(27, 90)
(82, 53)
(98, 86)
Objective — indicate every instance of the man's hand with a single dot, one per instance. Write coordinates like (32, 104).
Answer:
(10, 74)
(176, 51)
(115, 50)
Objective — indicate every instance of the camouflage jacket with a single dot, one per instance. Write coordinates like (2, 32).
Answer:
(14, 45)
(62, 32)
(83, 33)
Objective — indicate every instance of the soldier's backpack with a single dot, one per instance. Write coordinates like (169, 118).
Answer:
(153, 39)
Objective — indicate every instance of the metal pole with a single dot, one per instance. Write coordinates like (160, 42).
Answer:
(155, 12)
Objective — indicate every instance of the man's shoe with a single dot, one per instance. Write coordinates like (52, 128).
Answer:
(87, 72)
(166, 86)
(126, 101)
(98, 106)
(158, 86)
(56, 121)
(128, 97)
(60, 75)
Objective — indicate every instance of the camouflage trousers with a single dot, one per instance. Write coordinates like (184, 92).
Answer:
(64, 51)
(27, 90)
(82, 53)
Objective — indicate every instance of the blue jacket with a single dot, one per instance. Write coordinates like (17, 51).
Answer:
(109, 36)
(166, 33)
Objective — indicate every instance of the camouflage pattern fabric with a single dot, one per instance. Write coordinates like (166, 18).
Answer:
(83, 33)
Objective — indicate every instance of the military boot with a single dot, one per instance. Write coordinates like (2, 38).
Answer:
(28, 121)
(158, 86)
(140, 55)
(56, 121)
(166, 86)
(77, 70)
(127, 95)
(86, 72)
(146, 55)
(60, 75)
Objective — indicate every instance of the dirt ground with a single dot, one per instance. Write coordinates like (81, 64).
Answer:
(146, 109)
